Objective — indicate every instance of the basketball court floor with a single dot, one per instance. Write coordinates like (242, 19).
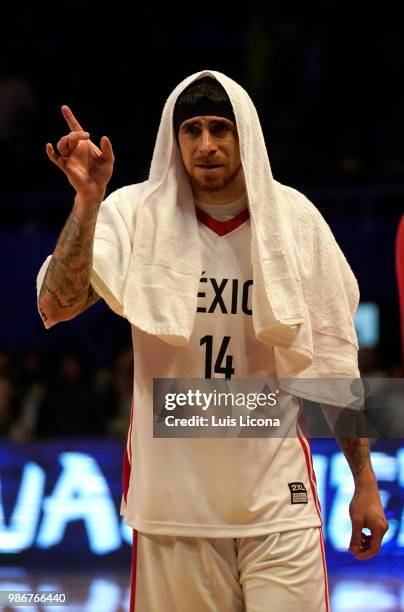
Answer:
(103, 591)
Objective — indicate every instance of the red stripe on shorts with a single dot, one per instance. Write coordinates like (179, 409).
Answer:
(326, 591)
(133, 574)
(313, 484)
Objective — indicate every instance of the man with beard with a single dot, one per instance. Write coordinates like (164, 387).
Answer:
(211, 261)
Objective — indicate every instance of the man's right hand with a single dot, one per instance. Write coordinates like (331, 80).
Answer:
(87, 167)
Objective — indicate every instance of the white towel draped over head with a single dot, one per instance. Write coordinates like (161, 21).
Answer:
(304, 293)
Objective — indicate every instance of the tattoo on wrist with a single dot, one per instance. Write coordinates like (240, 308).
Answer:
(356, 451)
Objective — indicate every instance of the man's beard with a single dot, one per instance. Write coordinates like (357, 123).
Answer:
(211, 184)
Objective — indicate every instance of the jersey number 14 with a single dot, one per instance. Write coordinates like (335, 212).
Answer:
(225, 369)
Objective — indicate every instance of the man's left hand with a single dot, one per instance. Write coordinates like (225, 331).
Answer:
(366, 510)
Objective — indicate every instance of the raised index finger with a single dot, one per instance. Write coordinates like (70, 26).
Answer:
(71, 120)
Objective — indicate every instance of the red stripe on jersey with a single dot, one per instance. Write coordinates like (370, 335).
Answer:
(222, 227)
(309, 464)
(125, 475)
(133, 573)
(326, 591)
(303, 424)
(127, 459)
(310, 471)
(306, 438)
(129, 440)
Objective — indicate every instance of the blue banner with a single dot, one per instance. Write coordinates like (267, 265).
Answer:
(60, 500)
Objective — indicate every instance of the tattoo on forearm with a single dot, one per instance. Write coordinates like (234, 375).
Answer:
(92, 297)
(356, 451)
(68, 276)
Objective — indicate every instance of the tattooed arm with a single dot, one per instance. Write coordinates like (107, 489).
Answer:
(365, 508)
(356, 451)
(66, 289)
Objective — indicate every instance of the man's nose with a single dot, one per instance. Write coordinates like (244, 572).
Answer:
(207, 142)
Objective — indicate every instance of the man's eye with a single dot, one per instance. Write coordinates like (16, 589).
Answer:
(220, 129)
(191, 129)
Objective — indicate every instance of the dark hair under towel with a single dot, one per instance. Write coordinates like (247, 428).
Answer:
(205, 96)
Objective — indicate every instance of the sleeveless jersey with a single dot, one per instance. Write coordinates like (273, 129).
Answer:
(215, 487)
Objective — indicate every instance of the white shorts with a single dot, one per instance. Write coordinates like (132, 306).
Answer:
(281, 571)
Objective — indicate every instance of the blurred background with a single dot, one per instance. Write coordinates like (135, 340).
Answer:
(328, 88)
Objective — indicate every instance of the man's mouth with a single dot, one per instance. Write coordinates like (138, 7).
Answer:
(209, 166)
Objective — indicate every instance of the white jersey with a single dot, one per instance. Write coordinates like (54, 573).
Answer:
(215, 487)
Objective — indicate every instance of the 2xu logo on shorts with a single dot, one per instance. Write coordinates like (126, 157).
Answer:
(298, 493)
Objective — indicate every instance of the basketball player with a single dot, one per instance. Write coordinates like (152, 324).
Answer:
(218, 524)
